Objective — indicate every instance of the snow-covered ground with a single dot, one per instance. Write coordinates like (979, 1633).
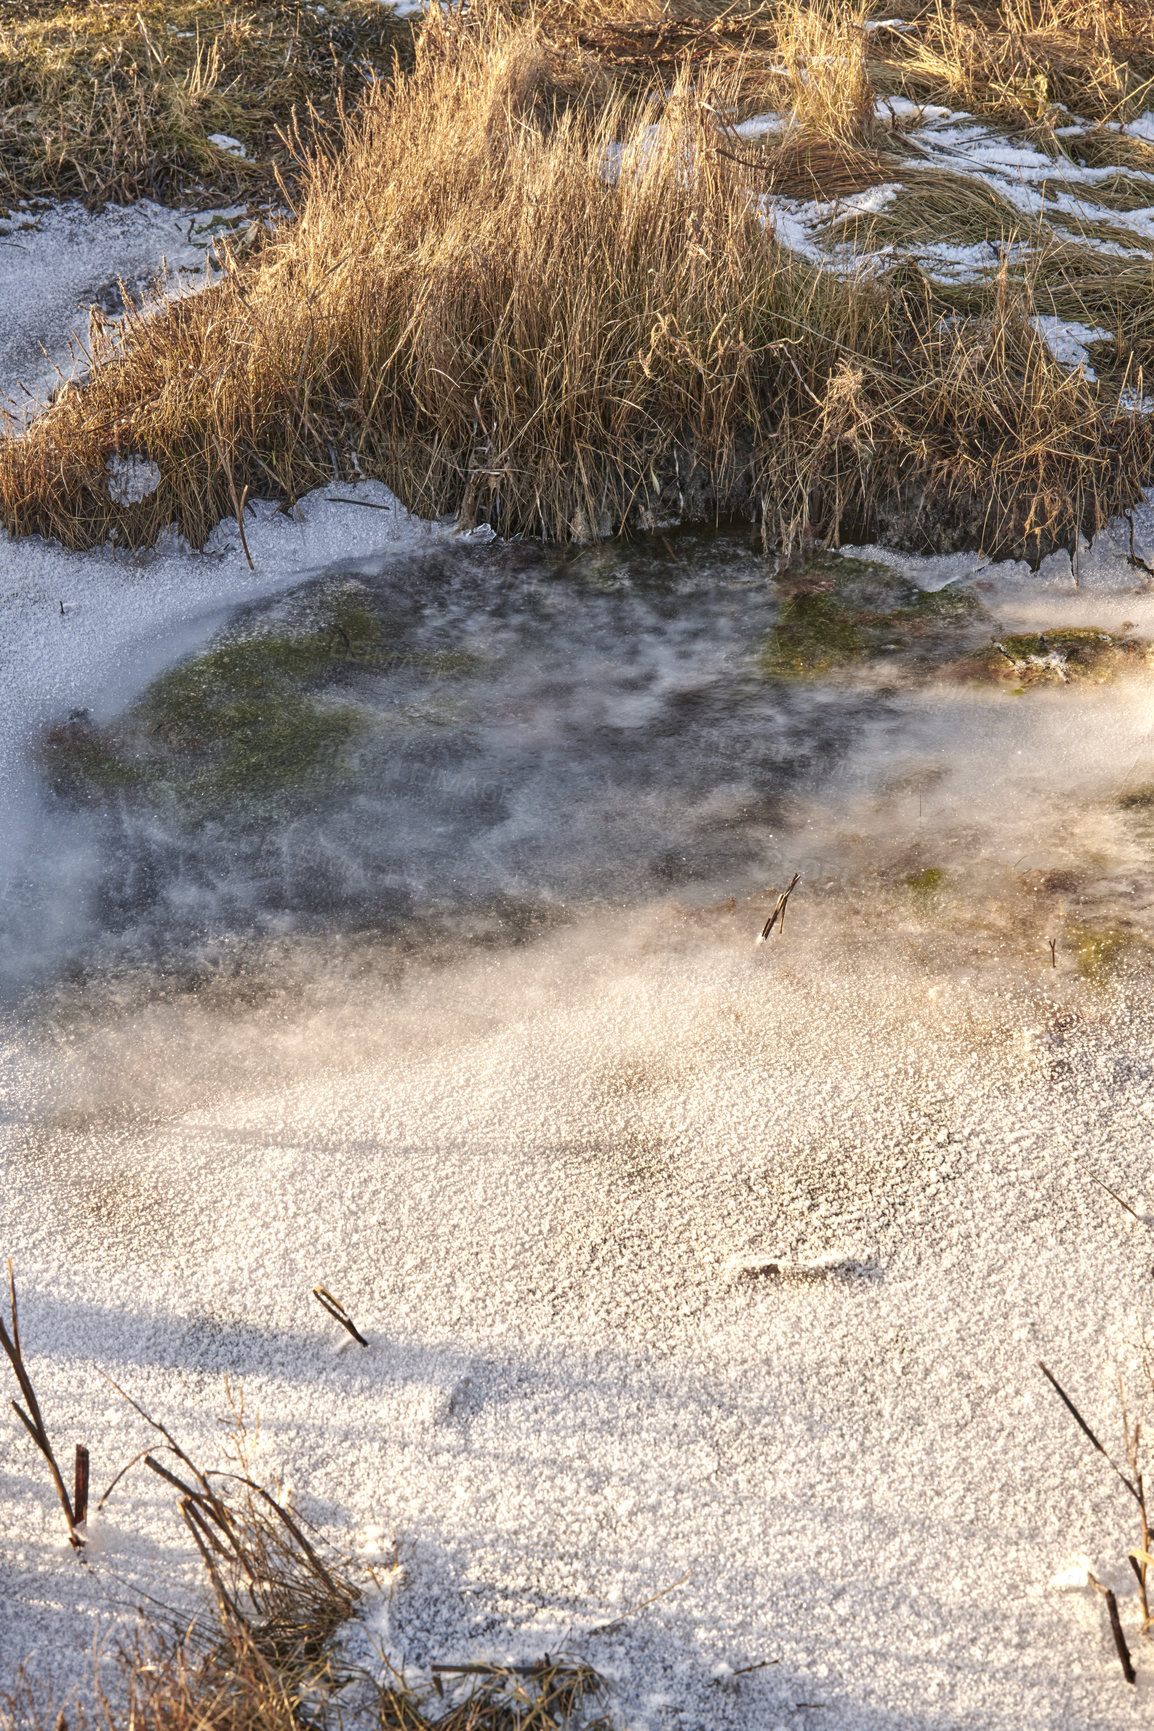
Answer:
(59, 261)
(556, 1183)
(1055, 197)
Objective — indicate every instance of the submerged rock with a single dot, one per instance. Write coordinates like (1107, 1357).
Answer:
(254, 719)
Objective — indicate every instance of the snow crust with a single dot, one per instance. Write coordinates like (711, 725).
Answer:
(59, 260)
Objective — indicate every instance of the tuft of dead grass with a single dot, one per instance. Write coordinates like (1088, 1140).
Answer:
(822, 49)
(118, 99)
(557, 318)
(269, 1658)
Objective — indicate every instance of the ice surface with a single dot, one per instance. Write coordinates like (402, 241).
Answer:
(131, 479)
(673, 1254)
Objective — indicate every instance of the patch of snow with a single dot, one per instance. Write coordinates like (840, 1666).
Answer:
(1066, 340)
(759, 125)
(792, 221)
(901, 108)
(65, 259)
(223, 141)
(950, 263)
(131, 479)
(871, 199)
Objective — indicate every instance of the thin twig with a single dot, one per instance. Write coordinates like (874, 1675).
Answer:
(228, 1609)
(238, 502)
(338, 1312)
(80, 1491)
(777, 917)
(1086, 1431)
(34, 1424)
(125, 1469)
(1119, 1200)
(1123, 1650)
(209, 1495)
(604, 1628)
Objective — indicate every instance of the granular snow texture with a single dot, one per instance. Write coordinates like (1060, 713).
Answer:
(538, 1177)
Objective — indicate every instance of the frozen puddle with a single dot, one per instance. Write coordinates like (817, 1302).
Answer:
(678, 1255)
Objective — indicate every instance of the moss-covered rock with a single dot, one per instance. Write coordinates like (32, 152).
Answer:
(253, 720)
(1072, 654)
(837, 610)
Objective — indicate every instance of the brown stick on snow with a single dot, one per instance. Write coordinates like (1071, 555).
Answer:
(338, 1312)
(80, 1492)
(34, 1424)
(777, 917)
(1123, 1650)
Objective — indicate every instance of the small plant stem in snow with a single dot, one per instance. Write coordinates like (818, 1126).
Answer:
(338, 1312)
(80, 1492)
(32, 1420)
(1124, 1658)
(777, 917)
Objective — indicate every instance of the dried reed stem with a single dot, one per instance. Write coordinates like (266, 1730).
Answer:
(1116, 1630)
(777, 917)
(32, 1419)
(337, 1310)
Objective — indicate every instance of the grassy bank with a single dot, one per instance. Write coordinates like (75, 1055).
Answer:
(535, 287)
(120, 99)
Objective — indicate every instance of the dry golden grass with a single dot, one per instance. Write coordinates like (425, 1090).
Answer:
(803, 165)
(822, 48)
(267, 1656)
(116, 99)
(1027, 62)
(514, 303)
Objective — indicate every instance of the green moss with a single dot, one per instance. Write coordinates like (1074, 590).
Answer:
(1064, 656)
(80, 765)
(837, 610)
(1100, 951)
(250, 721)
(282, 745)
(924, 885)
(812, 634)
